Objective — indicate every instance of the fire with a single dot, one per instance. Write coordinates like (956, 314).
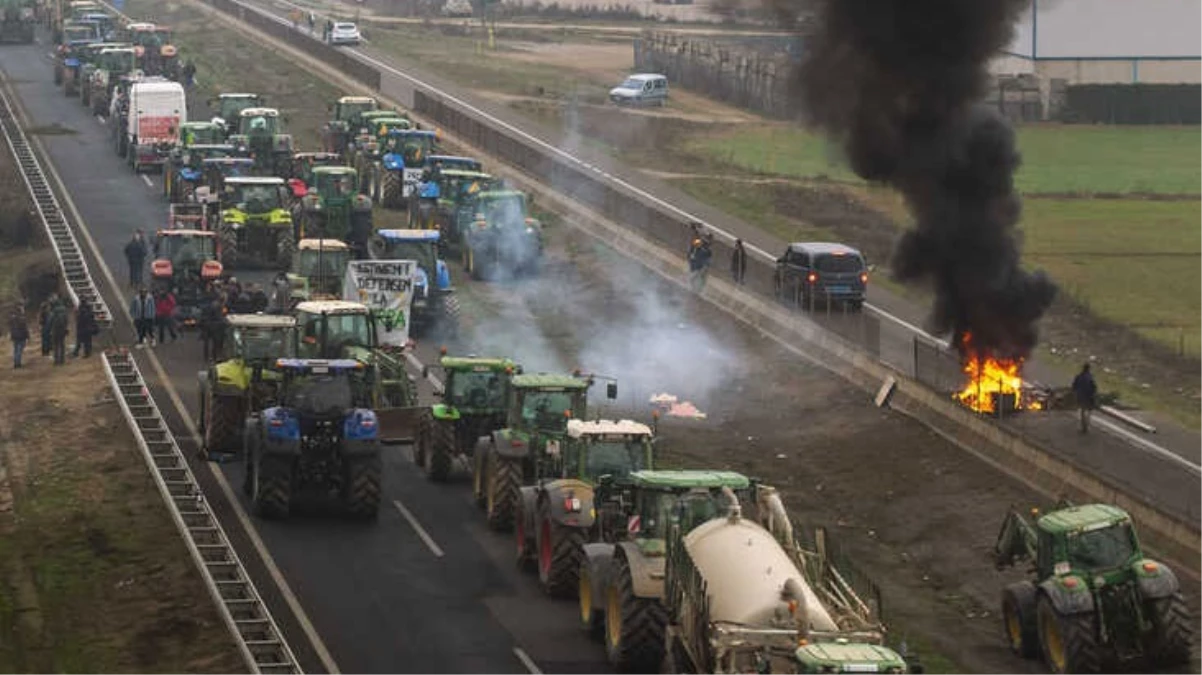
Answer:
(991, 381)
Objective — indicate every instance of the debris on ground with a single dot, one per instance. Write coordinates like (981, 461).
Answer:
(671, 406)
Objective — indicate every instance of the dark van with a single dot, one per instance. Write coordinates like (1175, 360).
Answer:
(811, 272)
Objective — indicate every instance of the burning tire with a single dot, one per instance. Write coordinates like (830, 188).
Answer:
(634, 626)
(361, 486)
(1018, 619)
(1170, 643)
(560, 552)
(1070, 643)
(504, 484)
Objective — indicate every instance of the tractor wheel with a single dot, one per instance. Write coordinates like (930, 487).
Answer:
(1018, 619)
(271, 487)
(592, 617)
(634, 626)
(1070, 642)
(442, 449)
(222, 422)
(560, 552)
(421, 444)
(504, 483)
(390, 190)
(523, 540)
(1170, 643)
(448, 320)
(480, 479)
(284, 248)
(362, 487)
(229, 245)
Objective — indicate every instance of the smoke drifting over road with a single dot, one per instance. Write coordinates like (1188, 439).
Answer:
(898, 83)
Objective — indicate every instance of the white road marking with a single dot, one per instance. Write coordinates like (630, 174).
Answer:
(526, 661)
(1151, 447)
(146, 179)
(268, 561)
(417, 527)
(438, 385)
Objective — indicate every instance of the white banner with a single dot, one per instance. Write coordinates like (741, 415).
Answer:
(386, 287)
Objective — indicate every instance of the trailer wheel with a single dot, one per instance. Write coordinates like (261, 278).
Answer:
(1018, 619)
(504, 484)
(1170, 643)
(634, 626)
(1070, 643)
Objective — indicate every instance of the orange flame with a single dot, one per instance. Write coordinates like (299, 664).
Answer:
(990, 380)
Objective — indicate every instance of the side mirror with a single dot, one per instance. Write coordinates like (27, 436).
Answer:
(611, 390)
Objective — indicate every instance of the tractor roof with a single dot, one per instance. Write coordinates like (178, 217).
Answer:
(186, 233)
(686, 479)
(464, 173)
(409, 132)
(1083, 517)
(144, 25)
(331, 307)
(500, 194)
(238, 95)
(315, 155)
(260, 320)
(322, 244)
(410, 235)
(540, 380)
(357, 99)
(201, 147)
(454, 159)
(254, 180)
(318, 365)
(229, 160)
(580, 428)
(333, 170)
(200, 125)
(473, 362)
(260, 112)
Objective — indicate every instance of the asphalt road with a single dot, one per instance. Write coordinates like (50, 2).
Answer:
(382, 597)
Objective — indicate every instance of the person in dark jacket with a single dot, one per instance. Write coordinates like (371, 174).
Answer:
(135, 255)
(18, 330)
(738, 262)
(1086, 390)
(212, 328)
(700, 254)
(44, 322)
(258, 298)
(85, 329)
(58, 331)
(142, 309)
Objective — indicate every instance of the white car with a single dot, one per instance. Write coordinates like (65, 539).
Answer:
(344, 34)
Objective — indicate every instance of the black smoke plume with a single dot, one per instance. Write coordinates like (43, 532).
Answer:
(898, 83)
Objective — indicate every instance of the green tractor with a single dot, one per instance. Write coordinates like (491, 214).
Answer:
(260, 131)
(255, 225)
(369, 149)
(365, 134)
(103, 63)
(229, 107)
(243, 377)
(184, 172)
(303, 164)
(332, 208)
(453, 196)
(557, 515)
(502, 241)
(536, 424)
(17, 20)
(348, 112)
(473, 405)
(1093, 596)
(318, 269)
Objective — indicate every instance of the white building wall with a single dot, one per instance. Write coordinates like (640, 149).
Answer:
(1110, 29)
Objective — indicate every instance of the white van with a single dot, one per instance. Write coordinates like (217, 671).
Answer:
(156, 109)
(641, 89)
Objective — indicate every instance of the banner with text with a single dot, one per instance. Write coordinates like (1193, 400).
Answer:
(386, 287)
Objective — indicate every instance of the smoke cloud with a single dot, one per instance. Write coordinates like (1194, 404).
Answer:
(898, 83)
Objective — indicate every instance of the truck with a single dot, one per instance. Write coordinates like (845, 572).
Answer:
(1092, 596)
(153, 118)
(435, 310)
(17, 21)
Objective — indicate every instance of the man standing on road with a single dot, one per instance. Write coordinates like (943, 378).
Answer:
(135, 255)
(44, 322)
(738, 262)
(189, 74)
(18, 330)
(58, 331)
(164, 315)
(699, 262)
(312, 22)
(85, 329)
(141, 308)
(1086, 390)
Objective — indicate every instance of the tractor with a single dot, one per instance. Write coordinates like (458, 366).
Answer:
(254, 225)
(229, 107)
(90, 58)
(448, 204)
(502, 240)
(242, 378)
(186, 216)
(366, 153)
(321, 436)
(303, 164)
(318, 269)
(556, 515)
(365, 133)
(111, 63)
(402, 161)
(348, 110)
(332, 208)
(473, 405)
(260, 132)
(435, 307)
(183, 174)
(185, 261)
(67, 63)
(536, 421)
(17, 21)
(156, 55)
(1092, 596)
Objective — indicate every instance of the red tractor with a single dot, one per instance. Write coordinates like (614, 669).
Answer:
(185, 262)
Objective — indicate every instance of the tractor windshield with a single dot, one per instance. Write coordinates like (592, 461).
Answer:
(458, 188)
(259, 125)
(320, 395)
(232, 106)
(184, 250)
(613, 457)
(413, 147)
(323, 263)
(256, 343)
(342, 331)
(424, 252)
(1106, 548)
(505, 211)
(78, 33)
(470, 389)
(352, 111)
(336, 184)
(116, 62)
(254, 198)
(547, 409)
(201, 135)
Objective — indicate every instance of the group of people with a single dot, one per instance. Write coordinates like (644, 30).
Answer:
(54, 326)
(701, 253)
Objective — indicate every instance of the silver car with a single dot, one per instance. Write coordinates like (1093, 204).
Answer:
(344, 34)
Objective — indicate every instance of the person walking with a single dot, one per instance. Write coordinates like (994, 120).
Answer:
(738, 262)
(18, 330)
(312, 22)
(85, 328)
(135, 255)
(700, 254)
(58, 331)
(142, 309)
(1086, 390)
(212, 330)
(44, 322)
(164, 315)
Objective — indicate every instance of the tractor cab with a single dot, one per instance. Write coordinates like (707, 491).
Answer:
(303, 164)
(1093, 540)
(660, 499)
(332, 208)
(348, 114)
(500, 238)
(181, 253)
(200, 133)
(605, 448)
(421, 246)
(544, 403)
(454, 190)
(477, 385)
(260, 131)
(454, 162)
(318, 269)
(217, 170)
(104, 23)
(406, 148)
(254, 195)
(334, 329)
(369, 122)
(229, 109)
(321, 389)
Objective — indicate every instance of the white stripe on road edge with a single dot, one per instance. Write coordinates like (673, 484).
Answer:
(526, 661)
(268, 561)
(417, 527)
(412, 360)
(1151, 447)
(146, 179)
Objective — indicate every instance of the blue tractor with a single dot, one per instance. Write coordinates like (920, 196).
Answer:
(322, 440)
(403, 155)
(435, 309)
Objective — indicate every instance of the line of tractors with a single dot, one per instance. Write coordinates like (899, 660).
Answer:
(693, 570)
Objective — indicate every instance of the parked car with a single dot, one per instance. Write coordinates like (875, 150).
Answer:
(809, 272)
(345, 34)
(457, 8)
(641, 89)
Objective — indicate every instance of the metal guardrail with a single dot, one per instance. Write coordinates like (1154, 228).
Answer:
(259, 638)
(80, 287)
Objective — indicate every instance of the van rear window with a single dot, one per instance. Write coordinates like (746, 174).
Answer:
(838, 263)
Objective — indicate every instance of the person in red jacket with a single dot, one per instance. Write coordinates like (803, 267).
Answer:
(164, 314)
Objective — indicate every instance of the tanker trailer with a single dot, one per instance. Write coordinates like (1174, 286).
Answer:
(737, 603)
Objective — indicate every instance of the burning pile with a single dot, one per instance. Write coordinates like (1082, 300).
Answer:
(993, 384)
(671, 406)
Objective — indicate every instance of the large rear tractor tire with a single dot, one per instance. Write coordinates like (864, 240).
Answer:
(1018, 619)
(560, 552)
(390, 189)
(362, 485)
(1070, 642)
(449, 311)
(504, 485)
(229, 246)
(222, 421)
(271, 487)
(1170, 643)
(285, 246)
(592, 617)
(634, 626)
(524, 540)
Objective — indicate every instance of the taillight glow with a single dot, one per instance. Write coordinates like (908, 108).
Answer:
(863, 277)
(812, 278)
